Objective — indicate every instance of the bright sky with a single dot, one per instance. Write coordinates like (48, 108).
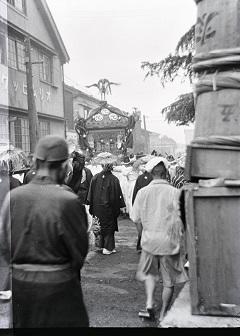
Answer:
(110, 38)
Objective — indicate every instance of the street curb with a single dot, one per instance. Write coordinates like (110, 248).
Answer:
(180, 316)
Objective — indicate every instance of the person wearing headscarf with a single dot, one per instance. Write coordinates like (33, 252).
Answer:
(105, 199)
(156, 213)
(80, 177)
(44, 242)
(178, 180)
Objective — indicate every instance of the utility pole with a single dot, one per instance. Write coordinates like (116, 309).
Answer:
(32, 112)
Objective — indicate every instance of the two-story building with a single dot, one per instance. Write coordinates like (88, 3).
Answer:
(20, 19)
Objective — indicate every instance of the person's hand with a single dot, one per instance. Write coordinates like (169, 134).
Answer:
(123, 209)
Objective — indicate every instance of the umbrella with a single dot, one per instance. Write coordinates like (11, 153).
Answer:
(13, 159)
(104, 158)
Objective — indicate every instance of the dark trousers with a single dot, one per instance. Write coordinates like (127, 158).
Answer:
(37, 305)
(139, 242)
(108, 241)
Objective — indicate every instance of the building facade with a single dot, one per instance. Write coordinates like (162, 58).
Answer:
(162, 144)
(20, 19)
(78, 104)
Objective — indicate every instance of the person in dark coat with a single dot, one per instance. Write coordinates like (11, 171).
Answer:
(142, 181)
(80, 178)
(7, 182)
(49, 243)
(106, 199)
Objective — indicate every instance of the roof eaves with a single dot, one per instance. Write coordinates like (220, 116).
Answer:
(60, 43)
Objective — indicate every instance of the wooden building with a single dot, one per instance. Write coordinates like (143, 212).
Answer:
(19, 19)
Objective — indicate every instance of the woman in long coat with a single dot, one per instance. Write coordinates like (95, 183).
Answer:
(106, 199)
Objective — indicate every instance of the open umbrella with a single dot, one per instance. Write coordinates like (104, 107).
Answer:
(13, 159)
(104, 158)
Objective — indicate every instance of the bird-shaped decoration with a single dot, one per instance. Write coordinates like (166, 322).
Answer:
(104, 87)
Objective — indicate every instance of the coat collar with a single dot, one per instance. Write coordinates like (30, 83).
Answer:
(159, 181)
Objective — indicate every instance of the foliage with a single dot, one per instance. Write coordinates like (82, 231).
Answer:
(175, 65)
(182, 111)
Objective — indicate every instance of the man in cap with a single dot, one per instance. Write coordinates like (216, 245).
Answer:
(156, 213)
(46, 227)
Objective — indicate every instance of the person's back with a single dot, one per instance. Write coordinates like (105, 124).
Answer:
(39, 208)
(44, 242)
(156, 213)
(142, 181)
(159, 209)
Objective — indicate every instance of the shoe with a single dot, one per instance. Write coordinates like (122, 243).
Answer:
(106, 252)
(147, 313)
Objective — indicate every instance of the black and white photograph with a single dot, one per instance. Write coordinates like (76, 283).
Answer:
(119, 164)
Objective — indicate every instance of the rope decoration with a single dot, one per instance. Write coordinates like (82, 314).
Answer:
(217, 81)
(216, 58)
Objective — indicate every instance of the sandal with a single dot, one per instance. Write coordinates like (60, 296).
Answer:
(147, 313)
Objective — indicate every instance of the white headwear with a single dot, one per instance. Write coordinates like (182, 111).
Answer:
(155, 161)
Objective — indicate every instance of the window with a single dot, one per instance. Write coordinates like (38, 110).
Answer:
(4, 134)
(18, 4)
(45, 68)
(44, 128)
(25, 135)
(16, 54)
(21, 56)
(3, 49)
(19, 134)
(12, 56)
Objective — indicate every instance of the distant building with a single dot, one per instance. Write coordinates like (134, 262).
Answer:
(162, 144)
(18, 19)
(78, 104)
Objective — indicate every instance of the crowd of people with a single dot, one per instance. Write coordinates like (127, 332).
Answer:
(45, 225)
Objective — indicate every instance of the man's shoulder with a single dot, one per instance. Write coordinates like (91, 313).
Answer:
(50, 190)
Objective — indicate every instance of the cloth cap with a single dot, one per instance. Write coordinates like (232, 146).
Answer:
(154, 162)
(51, 148)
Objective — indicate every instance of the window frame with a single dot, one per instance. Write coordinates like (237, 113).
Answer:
(44, 127)
(12, 3)
(43, 75)
(5, 48)
(19, 63)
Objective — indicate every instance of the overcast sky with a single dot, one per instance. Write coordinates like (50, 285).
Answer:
(110, 38)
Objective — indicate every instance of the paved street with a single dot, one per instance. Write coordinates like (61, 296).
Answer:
(112, 295)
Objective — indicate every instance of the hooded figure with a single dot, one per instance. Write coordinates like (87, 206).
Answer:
(81, 177)
(105, 199)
